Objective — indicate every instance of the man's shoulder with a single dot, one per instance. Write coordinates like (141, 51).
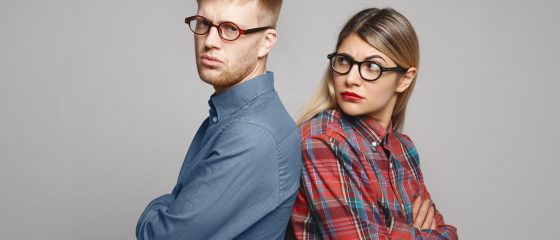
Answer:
(244, 128)
(269, 113)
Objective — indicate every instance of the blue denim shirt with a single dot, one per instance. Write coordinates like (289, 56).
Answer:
(240, 175)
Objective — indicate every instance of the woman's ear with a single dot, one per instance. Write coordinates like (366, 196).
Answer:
(267, 43)
(406, 79)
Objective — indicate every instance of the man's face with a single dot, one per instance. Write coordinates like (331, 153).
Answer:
(224, 63)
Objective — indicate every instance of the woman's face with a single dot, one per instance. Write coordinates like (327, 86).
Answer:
(356, 96)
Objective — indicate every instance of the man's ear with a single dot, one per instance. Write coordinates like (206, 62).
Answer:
(406, 79)
(268, 41)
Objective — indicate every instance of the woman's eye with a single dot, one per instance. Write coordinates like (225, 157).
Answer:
(371, 66)
(342, 60)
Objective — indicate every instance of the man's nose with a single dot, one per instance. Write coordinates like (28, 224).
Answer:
(213, 38)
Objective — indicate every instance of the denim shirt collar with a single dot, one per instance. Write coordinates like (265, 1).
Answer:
(231, 100)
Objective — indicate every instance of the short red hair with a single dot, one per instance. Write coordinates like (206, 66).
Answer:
(270, 13)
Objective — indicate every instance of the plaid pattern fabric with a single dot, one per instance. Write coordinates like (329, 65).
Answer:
(359, 182)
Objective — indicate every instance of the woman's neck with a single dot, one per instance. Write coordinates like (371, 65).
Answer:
(383, 116)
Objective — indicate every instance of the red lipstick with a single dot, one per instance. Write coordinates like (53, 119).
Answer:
(350, 96)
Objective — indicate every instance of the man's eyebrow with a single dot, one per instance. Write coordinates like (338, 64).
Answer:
(376, 56)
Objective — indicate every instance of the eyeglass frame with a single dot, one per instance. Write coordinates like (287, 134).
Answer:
(241, 31)
(353, 62)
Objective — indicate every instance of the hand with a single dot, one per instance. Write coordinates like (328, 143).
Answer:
(423, 214)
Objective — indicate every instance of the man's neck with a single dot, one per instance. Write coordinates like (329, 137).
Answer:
(260, 69)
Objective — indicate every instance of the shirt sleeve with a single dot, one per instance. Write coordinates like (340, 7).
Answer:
(330, 206)
(233, 187)
(443, 230)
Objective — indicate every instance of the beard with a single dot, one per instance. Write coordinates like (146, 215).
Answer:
(231, 74)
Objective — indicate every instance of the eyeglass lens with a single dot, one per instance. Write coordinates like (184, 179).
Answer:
(368, 70)
(227, 30)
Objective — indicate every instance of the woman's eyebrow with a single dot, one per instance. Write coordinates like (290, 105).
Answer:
(376, 56)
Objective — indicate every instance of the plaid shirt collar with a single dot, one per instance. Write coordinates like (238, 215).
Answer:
(370, 129)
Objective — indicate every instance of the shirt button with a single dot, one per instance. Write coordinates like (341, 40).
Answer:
(391, 165)
(214, 119)
(374, 144)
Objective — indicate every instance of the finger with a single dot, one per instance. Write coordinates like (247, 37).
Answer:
(416, 207)
(421, 216)
(429, 218)
(434, 226)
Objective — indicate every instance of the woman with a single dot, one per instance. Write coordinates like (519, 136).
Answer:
(361, 176)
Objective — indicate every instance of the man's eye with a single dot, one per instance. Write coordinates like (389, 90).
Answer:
(204, 23)
(231, 28)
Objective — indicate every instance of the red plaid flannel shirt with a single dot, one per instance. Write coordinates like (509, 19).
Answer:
(359, 182)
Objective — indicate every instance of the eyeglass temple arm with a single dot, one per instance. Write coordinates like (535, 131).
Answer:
(395, 69)
(253, 30)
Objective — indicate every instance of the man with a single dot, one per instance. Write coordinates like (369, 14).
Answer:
(242, 170)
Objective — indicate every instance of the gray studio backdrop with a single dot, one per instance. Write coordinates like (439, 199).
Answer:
(100, 99)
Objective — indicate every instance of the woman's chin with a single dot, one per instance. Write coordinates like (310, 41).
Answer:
(351, 110)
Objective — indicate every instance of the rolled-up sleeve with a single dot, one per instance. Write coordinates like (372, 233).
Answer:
(228, 191)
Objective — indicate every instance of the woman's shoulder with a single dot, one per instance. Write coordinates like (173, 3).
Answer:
(325, 123)
(404, 139)
(409, 152)
(323, 138)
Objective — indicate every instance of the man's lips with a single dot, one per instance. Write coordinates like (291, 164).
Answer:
(210, 61)
(350, 96)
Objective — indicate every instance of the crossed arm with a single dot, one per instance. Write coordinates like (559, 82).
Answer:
(327, 208)
(231, 189)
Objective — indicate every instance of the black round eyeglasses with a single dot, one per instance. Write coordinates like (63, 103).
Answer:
(369, 71)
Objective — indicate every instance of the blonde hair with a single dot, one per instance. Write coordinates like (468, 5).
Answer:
(271, 10)
(389, 32)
